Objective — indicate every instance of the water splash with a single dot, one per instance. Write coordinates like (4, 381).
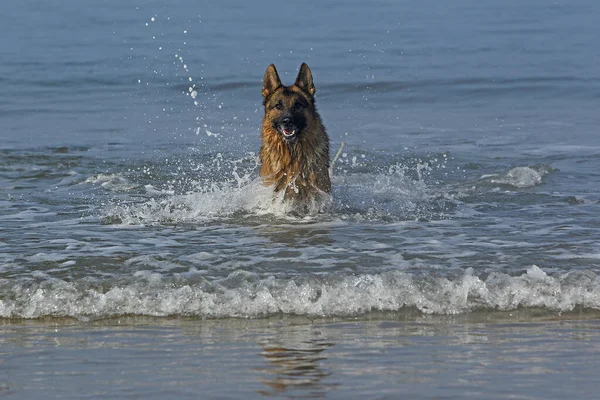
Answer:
(219, 187)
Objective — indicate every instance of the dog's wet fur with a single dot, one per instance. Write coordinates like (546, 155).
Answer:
(294, 153)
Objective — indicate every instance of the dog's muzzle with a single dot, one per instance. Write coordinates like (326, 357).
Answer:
(287, 129)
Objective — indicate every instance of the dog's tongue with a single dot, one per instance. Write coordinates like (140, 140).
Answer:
(288, 131)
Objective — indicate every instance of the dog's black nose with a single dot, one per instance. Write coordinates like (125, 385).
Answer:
(286, 121)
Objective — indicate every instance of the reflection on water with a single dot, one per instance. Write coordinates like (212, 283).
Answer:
(293, 366)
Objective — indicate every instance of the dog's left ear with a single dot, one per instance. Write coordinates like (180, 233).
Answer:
(304, 80)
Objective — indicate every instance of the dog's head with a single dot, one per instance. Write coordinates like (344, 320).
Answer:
(289, 108)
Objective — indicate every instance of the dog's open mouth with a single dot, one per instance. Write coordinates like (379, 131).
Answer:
(288, 132)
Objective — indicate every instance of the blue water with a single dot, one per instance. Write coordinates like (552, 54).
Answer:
(468, 183)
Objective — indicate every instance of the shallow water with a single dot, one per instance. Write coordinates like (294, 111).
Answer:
(294, 358)
(468, 183)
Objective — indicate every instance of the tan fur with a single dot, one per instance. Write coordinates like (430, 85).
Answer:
(300, 168)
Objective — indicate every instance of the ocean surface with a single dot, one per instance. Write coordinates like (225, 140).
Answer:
(141, 257)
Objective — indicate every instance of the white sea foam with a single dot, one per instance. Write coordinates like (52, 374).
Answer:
(245, 294)
(115, 182)
(521, 177)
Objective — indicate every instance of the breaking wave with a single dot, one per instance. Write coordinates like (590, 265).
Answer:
(245, 294)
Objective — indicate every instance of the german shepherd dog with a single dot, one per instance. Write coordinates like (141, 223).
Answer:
(294, 153)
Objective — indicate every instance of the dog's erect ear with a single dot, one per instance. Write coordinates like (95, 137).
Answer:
(304, 80)
(271, 81)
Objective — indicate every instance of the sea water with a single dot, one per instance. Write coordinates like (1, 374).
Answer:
(141, 256)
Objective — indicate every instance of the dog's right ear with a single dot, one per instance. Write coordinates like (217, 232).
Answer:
(271, 81)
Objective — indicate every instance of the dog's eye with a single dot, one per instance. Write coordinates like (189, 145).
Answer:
(298, 105)
(279, 106)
